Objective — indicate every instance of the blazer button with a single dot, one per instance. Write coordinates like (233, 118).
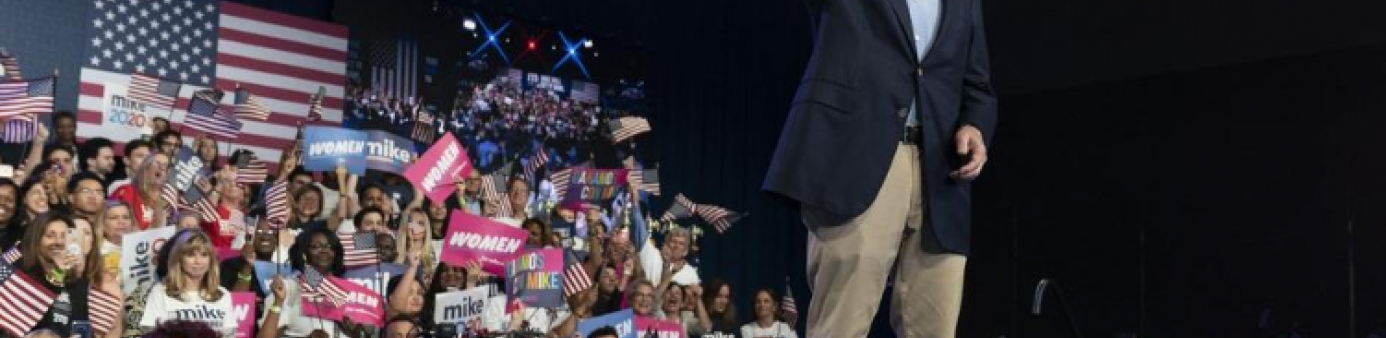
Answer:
(904, 111)
(919, 71)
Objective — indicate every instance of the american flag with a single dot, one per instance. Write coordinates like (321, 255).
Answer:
(26, 301)
(718, 217)
(359, 249)
(154, 91)
(10, 65)
(493, 191)
(281, 58)
(248, 107)
(313, 283)
(423, 126)
(277, 204)
(253, 172)
(18, 131)
(12, 255)
(788, 308)
(395, 66)
(561, 178)
(627, 127)
(315, 105)
(206, 210)
(18, 99)
(204, 116)
(103, 309)
(536, 161)
(575, 279)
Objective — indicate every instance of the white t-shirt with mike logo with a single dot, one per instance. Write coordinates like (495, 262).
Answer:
(216, 314)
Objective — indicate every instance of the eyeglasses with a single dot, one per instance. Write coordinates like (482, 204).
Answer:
(88, 191)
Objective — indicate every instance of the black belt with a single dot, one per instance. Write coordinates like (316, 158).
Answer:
(912, 136)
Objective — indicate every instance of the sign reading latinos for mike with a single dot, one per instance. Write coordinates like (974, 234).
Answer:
(324, 148)
(536, 278)
(594, 186)
(474, 238)
(438, 170)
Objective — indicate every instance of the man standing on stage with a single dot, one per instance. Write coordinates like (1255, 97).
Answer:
(888, 128)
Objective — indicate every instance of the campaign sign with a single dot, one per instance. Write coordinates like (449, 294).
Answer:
(474, 238)
(388, 152)
(622, 321)
(138, 256)
(243, 310)
(123, 119)
(187, 169)
(536, 277)
(324, 148)
(594, 186)
(375, 277)
(465, 306)
(362, 305)
(266, 271)
(438, 170)
(661, 328)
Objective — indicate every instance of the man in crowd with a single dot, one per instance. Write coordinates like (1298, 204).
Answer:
(97, 156)
(65, 128)
(87, 194)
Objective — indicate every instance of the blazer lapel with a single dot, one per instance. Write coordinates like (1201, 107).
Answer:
(902, 17)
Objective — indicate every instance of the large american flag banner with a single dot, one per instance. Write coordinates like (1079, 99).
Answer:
(281, 59)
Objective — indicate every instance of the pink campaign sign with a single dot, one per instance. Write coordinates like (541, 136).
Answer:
(475, 238)
(362, 305)
(661, 328)
(243, 307)
(440, 168)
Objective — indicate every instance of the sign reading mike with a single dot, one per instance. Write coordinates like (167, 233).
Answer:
(461, 307)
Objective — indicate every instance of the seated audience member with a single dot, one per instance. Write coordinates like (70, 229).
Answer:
(766, 325)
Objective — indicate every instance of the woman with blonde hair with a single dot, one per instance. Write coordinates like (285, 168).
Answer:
(416, 236)
(191, 290)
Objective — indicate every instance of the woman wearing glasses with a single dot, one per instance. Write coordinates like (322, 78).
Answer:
(283, 316)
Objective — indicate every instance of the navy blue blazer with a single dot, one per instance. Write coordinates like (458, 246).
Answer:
(849, 112)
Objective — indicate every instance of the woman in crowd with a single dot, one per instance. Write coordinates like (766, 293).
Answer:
(239, 272)
(48, 259)
(540, 236)
(415, 235)
(190, 290)
(307, 205)
(609, 292)
(230, 199)
(35, 201)
(142, 195)
(766, 325)
(319, 249)
(721, 313)
(641, 298)
(11, 227)
(135, 300)
(207, 150)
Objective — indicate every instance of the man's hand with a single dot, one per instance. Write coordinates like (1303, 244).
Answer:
(971, 146)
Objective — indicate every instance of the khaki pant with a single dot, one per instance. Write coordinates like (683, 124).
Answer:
(849, 262)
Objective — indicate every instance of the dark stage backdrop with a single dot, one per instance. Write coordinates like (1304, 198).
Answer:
(1169, 195)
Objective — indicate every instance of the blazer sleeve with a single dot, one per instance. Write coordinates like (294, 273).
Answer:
(979, 98)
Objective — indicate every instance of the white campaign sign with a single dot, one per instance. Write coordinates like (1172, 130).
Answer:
(137, 256)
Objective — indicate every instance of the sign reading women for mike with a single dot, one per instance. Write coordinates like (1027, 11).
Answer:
(536, 278)
(138, 256)
(440, 168)
(362, 304)
(243, 310)
(661, 328)
(461, 307)
(595, 186)
(389, 153)
(474, 238)
(324, 148)
(622, 321)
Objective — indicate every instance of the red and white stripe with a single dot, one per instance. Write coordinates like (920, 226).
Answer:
(104, 308)
(575, 279)
(277, 204)
(23, 302)
(145, 88)
(353, 257)
(15, 101)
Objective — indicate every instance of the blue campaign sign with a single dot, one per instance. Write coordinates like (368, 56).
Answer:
(266, 271)
(623, 321)
(324, 148)
(388, 152)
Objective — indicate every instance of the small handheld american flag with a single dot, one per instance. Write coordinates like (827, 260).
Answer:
(154, 91)
(26, 301)
(575, 279)
(277, 204)
(789, 309)
(359, 249)
(104, 308)
(19, 99)
(10, 65)
(313, 283)
(248, 106)
(253, 172)
(204, 116)
(625, 128)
